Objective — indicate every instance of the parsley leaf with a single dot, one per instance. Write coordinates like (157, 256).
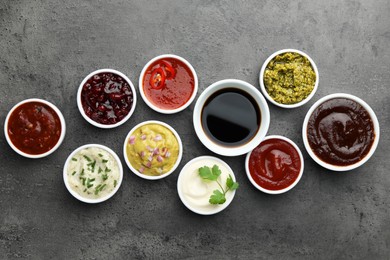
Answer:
(212, 174)
(217, 198)
(231, 184)
(209, 174)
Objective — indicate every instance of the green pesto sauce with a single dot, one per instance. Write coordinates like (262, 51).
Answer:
(289, 78)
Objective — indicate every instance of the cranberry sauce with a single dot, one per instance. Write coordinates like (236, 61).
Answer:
(106, 98)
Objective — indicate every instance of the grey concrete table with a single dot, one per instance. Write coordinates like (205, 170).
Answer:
(48, 47)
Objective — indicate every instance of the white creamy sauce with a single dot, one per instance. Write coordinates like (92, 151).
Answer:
(197, 191)
(93, 173)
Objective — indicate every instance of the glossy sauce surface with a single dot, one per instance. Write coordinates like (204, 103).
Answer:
(231, 117)
(34, 128)
(274, 164)
(175, 83)
(340, 132)
(106, 98)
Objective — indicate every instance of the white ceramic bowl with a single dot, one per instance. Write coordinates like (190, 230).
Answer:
(89, 200)
(250, 90)
(155, 107)
(336, 167)
(188, 169)
(282, 190)
(80, 106)
(263, 88)
(137, 172)
(61, 138)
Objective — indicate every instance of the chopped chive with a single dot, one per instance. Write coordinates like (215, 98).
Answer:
(107, 170)
(83, 179)
(74, 159)
(104, 161)
(99, 188)
(89, 184)
(101, 155)
(100, 170)
(82, 172)
(87, 158)
(73, 173)
(115, 183)
(85, 190)
(92, 165)
(105, 176)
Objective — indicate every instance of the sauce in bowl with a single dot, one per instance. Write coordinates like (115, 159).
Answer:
(152, 150)
(275, 166)
(93, 173)
(34, 127)
(340, 132)
(231, 117)
(168, 83)
(106, 98)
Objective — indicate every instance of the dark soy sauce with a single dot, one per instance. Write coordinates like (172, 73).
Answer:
(231, 117)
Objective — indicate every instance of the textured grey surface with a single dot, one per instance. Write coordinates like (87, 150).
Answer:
(48, 47)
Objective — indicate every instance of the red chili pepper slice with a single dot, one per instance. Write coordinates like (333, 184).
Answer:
(157, 79)
(171, 73)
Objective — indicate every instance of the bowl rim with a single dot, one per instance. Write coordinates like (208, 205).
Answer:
(80, 106)
(375, 123)
(60, 139)
(153, 106)
(264, 91)
(180, 192)
(178, 160)
(78, 196)
(274, 192)
(264, 111)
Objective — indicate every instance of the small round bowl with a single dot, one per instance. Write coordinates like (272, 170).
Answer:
(97, 124)
(137, 172)
(89, 200)
(292, 185)
(61, 138)
(263, 88)
(191, 168)
(337, 167)
(231, 150)
(154, 106)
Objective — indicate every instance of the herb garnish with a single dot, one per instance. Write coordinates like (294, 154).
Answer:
(87, 158)
(74, 159)
(73, 173)
(92, 164)
(89, 182)
(99, 188)
(104, 161)
(115, 183)
(100, 155)
(212, 174)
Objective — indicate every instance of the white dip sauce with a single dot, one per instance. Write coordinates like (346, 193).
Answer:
(196, 191)
(93, 173)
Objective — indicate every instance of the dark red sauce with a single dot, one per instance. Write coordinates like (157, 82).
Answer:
(106, 98)
(274, 164)
(340, 131)
(168, 83)
(34, 128)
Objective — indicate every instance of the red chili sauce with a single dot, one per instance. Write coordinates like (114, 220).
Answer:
(106, 98)
(274, 164)
(340, 132)
(168, 83)
(34, 128)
